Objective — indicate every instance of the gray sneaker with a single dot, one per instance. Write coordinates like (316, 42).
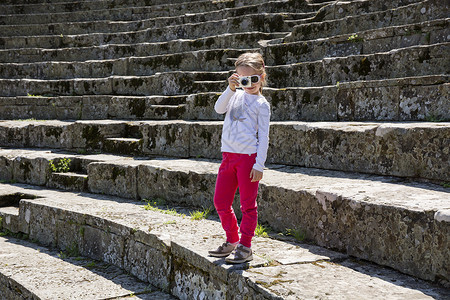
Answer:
(240, 255)
(223, 250)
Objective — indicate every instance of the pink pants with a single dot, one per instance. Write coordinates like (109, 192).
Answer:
(234, 172)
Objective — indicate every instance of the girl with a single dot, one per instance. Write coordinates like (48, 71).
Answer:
(245, 139)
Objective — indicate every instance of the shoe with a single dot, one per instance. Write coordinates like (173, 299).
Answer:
(223, 250)
(242, 254)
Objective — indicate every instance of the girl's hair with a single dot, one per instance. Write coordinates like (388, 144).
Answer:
(255, 61)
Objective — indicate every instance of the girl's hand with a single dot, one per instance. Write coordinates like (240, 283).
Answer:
(256, 175)
(233, 81)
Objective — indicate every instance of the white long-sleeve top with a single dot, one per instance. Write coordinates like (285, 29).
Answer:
(246, 125)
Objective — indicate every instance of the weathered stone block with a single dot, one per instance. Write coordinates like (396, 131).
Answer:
(389, 149)
(368, 103)
(6, 168)
(14, 134)
(103, 245)
(39, 222)
(166, 138)
(184, 187)
(127, 146)
(440, 249)
(55, 134)
(112, 179)
(95, 107)
(302, 103)
(430, 103)
(91, 135)
(148, 264)
(69, 233)
(190, 282)
(31, 170)
(94, 86)
(201, 107)
(9, 219)
(68, 181)
(205, 140)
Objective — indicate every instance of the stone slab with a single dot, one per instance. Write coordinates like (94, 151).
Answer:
(349, 279)
(406, 220)
(29, 270)
(196, 274)
(409, 99)
(406, 149)
(416, 12)
(398, 63)
(366, 42)
(114, 51)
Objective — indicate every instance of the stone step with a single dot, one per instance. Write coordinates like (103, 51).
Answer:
(397, 63)
(106, 3)
(364, 42)
(341, 9)
(127, 146)
(109, 2)
(145, 18)
(93, 107)
(204, 60)
(243, 40)
(407, 99)
(167, 83)
(415, 61)
(95, 10)
(386, 220)
(70, 181)
(406, 149)
(413, 13)
(270, 22)
(420, 60)
(32, 271)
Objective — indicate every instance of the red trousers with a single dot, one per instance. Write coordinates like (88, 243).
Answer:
(234, 172)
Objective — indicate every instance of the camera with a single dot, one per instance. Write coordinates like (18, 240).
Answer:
(245, 81)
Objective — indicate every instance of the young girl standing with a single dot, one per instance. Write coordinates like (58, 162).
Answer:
(245, 139)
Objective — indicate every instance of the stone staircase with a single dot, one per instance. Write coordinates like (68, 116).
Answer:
(105, 103)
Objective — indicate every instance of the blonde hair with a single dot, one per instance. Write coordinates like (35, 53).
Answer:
(255, 61)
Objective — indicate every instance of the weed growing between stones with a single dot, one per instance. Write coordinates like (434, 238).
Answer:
(445, 184)
(354, 38)
(169, 223)
(153, 206)
(62, 166)
(298, 234)
(71, 251)
(18, 235)
(199, 215)
(432, 118)
(34, 96)
(90, 265)
(262, 231)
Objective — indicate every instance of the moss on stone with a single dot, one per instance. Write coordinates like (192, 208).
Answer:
(306, 97)
(320, 16)
(136, 82)
(56, 132)
(207, 136)
(425, 55)
(363, 68)
(92, 136)
(202, 100)
(26, 168)
(137, 107)
(116, 172)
